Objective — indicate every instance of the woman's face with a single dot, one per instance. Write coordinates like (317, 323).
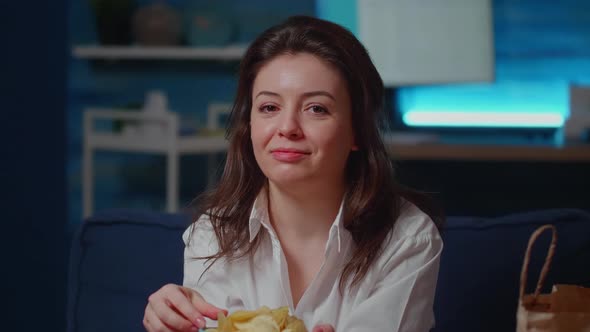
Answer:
(301, 123)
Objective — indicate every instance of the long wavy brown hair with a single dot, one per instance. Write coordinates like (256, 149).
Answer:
(373, 199)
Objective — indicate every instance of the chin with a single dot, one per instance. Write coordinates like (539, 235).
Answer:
(287, 177)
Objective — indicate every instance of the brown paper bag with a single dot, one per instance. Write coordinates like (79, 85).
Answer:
(565, 309)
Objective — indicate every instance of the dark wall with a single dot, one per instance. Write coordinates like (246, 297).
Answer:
(33, 164)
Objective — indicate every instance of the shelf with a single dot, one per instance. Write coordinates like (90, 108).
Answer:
(479, 152)
(94, 52)
(184, 145)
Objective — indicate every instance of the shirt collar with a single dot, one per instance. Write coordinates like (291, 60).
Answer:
(259, 214)
(259, 217)
(338, 225)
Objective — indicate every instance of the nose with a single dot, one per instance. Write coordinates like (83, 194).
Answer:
(289, 125)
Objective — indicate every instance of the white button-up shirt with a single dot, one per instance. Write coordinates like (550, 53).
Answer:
(396, 294)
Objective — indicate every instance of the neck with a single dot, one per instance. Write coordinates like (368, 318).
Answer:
(304, 214)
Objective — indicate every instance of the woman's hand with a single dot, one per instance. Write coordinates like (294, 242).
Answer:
(177, 308)
(323, 328)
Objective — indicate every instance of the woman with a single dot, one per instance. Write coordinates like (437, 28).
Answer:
(307, 213)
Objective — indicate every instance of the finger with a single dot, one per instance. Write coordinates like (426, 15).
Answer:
(179, 302)
(146, 319)
(323, 328)
(166, 315)
(152, 323)
(205, 308)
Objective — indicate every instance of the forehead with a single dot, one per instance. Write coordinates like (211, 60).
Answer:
(301, 71)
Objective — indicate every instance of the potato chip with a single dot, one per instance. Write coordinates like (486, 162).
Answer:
(260, 323)
(262, 320)
(280, 316)
(244, 315)
(294, 325)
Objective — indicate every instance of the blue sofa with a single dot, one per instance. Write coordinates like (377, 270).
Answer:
(119, 257)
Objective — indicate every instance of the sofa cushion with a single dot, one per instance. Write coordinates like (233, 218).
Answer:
(118, 258)
(482, 258)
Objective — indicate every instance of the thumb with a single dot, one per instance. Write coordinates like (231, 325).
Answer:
(323, 328)
(205, 308)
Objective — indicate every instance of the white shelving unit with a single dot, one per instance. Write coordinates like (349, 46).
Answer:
(94, 52)
(168, 144)
(165, 142)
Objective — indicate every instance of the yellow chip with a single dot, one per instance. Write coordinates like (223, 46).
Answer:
(294, 324)
(223, 324)
(243, 315)
(263, 319)
(280, 316)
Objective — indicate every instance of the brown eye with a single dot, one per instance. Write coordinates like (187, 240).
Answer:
(318, 110)
(268, 108)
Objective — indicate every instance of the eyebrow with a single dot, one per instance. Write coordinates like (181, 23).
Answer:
(306, 94)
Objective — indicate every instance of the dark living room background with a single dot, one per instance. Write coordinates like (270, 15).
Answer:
(540, 50)
(57, 70)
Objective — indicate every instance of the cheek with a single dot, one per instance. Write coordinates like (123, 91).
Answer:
(259, 134)
(336, 139)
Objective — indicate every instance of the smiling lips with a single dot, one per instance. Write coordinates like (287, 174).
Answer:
(288, 155)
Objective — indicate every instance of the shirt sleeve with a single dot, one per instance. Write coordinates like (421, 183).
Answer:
(212, 283)
(403, 294)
